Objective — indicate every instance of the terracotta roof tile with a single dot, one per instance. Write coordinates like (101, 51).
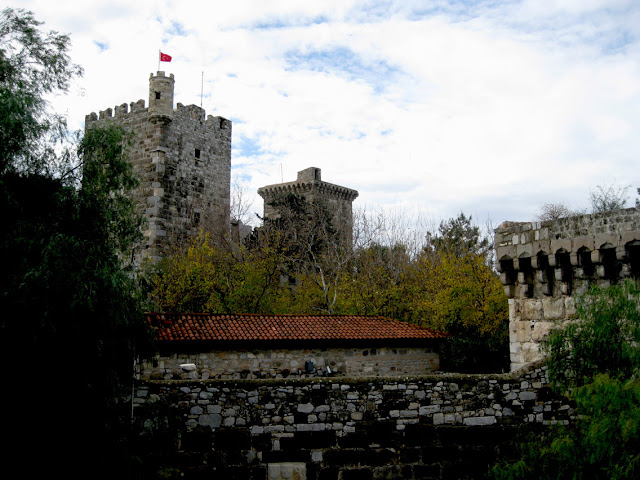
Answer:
(207, 327)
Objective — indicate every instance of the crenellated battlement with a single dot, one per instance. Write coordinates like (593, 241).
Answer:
(544, 265)
(305, 188)
(309, 184)
(121, 112)
(182, 158)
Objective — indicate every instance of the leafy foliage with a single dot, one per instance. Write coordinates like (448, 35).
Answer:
(33, 64)
(70, 305)
(71, 310)
(603, 444)
(208, 277)
(605, 339)
(463, 296)
(595, 360)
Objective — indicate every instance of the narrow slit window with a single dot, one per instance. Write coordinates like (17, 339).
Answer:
(157, 95)
(197, 153)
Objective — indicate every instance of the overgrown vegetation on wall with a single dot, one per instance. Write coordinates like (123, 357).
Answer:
(595, 361)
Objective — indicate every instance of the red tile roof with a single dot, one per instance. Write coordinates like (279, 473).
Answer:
(255, 327)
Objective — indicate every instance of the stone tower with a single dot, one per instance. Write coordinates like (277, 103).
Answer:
(183, 162)
(544, 265)
(309, 184)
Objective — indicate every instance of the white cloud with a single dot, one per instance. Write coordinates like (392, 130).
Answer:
(488, 108)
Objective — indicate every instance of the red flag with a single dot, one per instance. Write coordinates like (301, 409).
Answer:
(164, 57)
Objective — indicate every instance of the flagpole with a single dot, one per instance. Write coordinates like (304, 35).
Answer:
(159, 53)
(201, 88)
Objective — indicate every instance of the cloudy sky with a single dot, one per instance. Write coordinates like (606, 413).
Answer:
(489, 107)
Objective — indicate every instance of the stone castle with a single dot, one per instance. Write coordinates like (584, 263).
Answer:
(309, 184)
(183, 161)
(182, 158)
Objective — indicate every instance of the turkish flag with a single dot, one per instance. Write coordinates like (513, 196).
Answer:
(164, 57)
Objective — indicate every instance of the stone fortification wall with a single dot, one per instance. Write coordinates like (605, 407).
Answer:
(183, 162)
(451, 426)
(545, 265)
(291, 363)
(309, 184)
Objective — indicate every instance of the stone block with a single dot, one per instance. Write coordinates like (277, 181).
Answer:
(527, 396)
(429, 409)
(553, 308)
(541, 330)
(438, 418)
(287, 471)
(520, 331)
(305, 408)
(213, 420)
(532, 309)
(479, 421)
(530, 352)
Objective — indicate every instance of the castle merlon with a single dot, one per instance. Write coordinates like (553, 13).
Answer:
(160, 106)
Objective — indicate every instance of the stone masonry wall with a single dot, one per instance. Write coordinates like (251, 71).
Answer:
(545, 265)
(438, 426)
(183, 162)
(285, 363)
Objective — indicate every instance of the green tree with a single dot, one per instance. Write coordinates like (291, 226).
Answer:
(379, 282)
(604, 339)
(462, 295)
(595, 361)
(314, 252)
(211, 277)
(33, 65)
(71, 310)
(459, 236)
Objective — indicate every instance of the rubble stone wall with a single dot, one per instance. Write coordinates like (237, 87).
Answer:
(438, 426)
(285, 363)
(545, 265)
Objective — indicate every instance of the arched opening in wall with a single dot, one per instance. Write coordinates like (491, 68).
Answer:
(609, 266)
(544, 273)
(633, 254)
(564, 271)
(584, 262)
(525, 275)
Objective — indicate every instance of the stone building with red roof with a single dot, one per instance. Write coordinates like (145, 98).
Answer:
(219, 346)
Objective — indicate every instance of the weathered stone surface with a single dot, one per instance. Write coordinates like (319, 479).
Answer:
(210, 420)
(367, 425)
(305, 408)
(183, 161)
(545, 265)
(478, 421)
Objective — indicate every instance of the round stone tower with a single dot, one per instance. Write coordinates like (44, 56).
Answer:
(161, 97)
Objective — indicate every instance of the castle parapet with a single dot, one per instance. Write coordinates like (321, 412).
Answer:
(309, 184)
(544, 265)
